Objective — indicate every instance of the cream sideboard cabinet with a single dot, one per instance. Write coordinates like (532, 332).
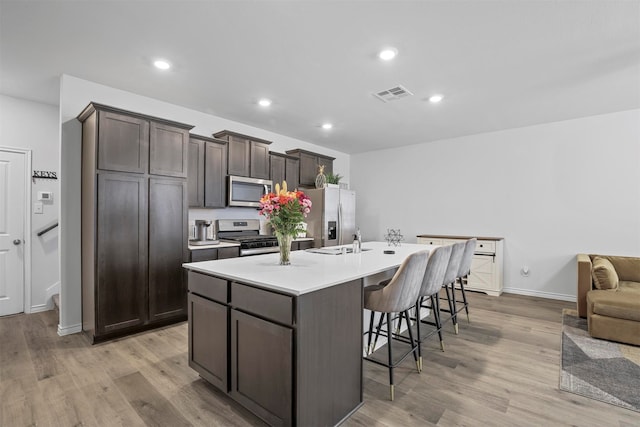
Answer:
(486, 268)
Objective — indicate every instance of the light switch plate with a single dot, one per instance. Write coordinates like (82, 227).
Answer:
(37, 208)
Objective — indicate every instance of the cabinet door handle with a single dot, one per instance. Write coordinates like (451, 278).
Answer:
(493, 256)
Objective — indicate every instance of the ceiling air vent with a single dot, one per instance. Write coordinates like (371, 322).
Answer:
(392, 94)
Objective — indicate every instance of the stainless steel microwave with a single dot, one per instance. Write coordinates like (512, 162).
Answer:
(247, 192)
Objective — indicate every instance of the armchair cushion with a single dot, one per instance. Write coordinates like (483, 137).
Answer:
(604, 275)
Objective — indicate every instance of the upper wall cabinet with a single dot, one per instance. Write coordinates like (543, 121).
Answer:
(168, 150)
(285, 168)
(123, 143)
(132, 142)
(207, 172)
(309, 163)
(247, 155)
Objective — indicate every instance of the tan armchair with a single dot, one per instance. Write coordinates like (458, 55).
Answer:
(609, 296)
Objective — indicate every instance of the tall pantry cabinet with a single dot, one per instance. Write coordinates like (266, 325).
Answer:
(134, 221)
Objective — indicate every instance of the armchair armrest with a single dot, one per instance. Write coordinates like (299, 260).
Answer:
(584, 283)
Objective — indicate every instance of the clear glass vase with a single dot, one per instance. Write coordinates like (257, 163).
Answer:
(284, 243)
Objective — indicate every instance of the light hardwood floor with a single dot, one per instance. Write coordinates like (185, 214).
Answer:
(501, 370)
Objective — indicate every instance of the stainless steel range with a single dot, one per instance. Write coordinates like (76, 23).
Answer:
(247, 233)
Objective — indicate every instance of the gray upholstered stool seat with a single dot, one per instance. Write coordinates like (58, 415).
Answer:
(397, 295)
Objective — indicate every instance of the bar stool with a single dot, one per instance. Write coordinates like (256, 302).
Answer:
(463, 272)
(397, 296)
(431, 285)
(450, 276)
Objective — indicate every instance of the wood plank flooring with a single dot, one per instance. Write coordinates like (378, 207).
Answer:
(501, 370)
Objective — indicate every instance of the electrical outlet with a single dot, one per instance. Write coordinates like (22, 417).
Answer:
(37, 208)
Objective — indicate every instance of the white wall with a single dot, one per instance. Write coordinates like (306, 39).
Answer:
(552, 191)
(74, 97)
(34, 126)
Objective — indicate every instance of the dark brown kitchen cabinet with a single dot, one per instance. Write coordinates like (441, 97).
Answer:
(168, 150)
(134, 221)
(284, 167)
(276, 345)
(259, 163)
(309, 163)
(195, 175)
(123, 142)
(209, 254)
(207, 172)
(262, 384)
(121, 252)
(168, 224)
(208, 327)
(301, 245)
(247, 155)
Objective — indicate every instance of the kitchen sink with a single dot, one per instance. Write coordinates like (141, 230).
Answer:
(333, 250)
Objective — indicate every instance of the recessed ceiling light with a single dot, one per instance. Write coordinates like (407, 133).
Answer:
(387, 54)
(435, 98)
(162, 64)
(327, 126)
(264, 102)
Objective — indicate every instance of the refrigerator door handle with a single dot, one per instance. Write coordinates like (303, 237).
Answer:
(340, 242)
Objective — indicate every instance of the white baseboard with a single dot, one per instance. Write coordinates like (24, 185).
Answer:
(541, 294)
(68, 330)
(48, 305)
(40, 307)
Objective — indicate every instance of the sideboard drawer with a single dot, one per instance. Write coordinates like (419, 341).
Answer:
(429, 241)
(486, 246)
(262, 303)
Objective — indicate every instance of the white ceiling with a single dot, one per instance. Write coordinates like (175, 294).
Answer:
(500, 64)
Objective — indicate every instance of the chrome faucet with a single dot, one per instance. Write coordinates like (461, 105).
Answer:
(357, 242)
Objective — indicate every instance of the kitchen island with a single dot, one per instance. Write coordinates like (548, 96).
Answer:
(286, 341)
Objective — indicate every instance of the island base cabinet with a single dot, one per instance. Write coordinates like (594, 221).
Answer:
(208, 326)
(262, 367)
(292, 360)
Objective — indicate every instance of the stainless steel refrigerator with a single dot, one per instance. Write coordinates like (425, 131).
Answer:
(332, 220)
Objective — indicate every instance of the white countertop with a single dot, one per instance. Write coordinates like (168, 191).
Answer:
(219, 245)
(308, 271)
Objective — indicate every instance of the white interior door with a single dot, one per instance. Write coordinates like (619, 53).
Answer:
(12, 226)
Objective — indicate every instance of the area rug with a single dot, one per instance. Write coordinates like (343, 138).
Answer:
(598, 369)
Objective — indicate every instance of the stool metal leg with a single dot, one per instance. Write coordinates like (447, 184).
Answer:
(390, 355)
(452, 308)
(375, 341)
(418, 305)
(464, 296)
(413, 343)
(435, 308)
(368, 349)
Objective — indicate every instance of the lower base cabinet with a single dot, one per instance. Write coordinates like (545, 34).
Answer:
(301, 245)
(208, 327)
(290, 360)
(209, 254)
(262, 367)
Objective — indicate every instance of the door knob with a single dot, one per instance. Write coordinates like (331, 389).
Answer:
(17, 241)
